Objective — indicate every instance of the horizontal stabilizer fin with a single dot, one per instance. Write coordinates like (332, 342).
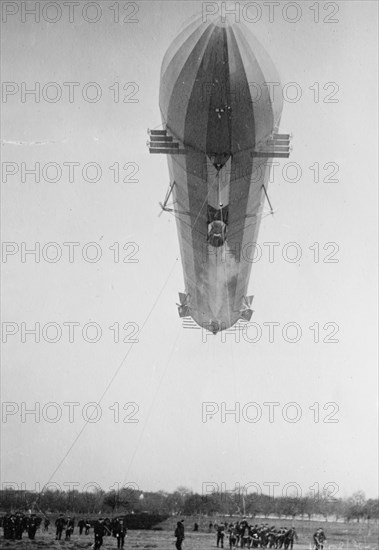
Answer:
(183, 311)
(183, 306)
(248, 300)
(246, 314)
(183, 298)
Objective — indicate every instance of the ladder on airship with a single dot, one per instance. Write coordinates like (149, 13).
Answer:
(161, 142)
(277, 146)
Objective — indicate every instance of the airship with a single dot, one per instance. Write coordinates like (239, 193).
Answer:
(220, 132)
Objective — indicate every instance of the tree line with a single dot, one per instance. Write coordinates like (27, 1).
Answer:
(183, 501)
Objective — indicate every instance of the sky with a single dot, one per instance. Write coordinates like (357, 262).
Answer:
(123, 269)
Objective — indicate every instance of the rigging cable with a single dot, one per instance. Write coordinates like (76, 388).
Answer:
(110, 381)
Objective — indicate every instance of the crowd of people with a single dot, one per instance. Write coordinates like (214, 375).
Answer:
(15, 525)
(238, 534)
(102, 527)
(242, 534)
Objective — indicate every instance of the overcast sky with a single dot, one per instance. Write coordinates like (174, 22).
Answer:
(171, 371)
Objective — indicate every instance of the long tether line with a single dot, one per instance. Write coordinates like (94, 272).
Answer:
(122, 362)
(111, 380)
(126, 356)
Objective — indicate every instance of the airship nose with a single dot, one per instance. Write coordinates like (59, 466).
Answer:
(222, 21)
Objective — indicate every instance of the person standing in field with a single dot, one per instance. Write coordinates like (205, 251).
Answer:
(289, 538)
(69, 528)
(220, 535)
(32, 526)
(232, 537)
(99, 532)
(120, 532)
(179, 534)
(59, 524)
(319, 538)
(19, 525)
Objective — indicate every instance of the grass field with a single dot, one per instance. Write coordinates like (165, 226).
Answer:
(341, 536)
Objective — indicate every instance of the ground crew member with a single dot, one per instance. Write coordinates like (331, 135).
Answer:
(319, 538)
(220, 535)
(179, 534)
(70, 528)
(120, 533)
(19, 525)
(289, 538)
(99, 532)
(32, 526)
(59, 524)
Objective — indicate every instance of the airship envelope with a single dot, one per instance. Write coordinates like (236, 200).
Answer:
(221, 101)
